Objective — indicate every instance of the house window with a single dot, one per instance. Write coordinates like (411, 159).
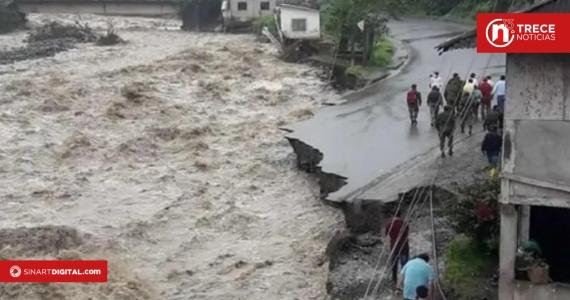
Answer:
(299, 24)
(264, 5)
(242, 5)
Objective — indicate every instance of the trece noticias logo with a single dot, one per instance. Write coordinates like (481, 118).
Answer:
(521, 33)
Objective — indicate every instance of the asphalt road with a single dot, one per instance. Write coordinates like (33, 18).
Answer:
(370, 137)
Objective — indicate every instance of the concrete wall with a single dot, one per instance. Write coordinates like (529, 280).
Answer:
(537, 115)
(106, 8)
(313, 21)
(253, 9)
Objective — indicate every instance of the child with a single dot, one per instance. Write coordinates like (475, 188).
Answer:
(421, 292)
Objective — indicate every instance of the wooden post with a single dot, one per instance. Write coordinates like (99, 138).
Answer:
(508, 250)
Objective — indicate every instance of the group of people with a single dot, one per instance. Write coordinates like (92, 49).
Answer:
(463, 101)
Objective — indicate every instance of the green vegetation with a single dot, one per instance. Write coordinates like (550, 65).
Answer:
(268, 21)
(358, 71)
(464, 9)
(382, 53)
(476, 214)
(466, 265)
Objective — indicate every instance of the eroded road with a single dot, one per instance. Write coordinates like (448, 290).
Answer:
(368, 138)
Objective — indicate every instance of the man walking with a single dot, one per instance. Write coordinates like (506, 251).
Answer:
(452, 91)
(490, 81)
(416, 273)
(466, 112)
(491, 146)
(398, 231)
(499, 90)
(476, 95)
(435, 81)
(445, 125)
(486, 90)
(469, 86)
(414, 99)
(434, 101)
(492, 120)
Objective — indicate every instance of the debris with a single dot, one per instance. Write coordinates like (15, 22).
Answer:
(79, 32)
(109, 39)
(35, 50)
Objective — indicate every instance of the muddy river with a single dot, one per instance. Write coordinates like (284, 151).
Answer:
(163, 155)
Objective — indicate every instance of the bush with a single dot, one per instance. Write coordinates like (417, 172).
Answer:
(382, 53)
(358, 71)
(465, 265)
(268, 21)
(475, 214)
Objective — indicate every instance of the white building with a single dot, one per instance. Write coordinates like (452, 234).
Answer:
(241, 11)
(299, 22)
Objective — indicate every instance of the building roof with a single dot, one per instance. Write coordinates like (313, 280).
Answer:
(468, 39)
(298, 6)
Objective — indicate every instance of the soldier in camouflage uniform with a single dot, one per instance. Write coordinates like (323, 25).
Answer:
(453, 91)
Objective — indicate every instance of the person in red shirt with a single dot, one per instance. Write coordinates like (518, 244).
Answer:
(398, 231)
(486, 89)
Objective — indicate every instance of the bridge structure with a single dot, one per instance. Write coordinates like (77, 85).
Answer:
(148, 8)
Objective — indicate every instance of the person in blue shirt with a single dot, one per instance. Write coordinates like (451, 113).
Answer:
(416, 273)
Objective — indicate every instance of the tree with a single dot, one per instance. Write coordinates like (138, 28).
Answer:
(340, 19)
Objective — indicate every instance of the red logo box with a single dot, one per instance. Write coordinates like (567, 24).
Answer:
(53, 271)
(523, 33)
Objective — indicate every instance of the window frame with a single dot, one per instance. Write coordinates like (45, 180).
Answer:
(241, 4)
(299, 21)
(261, 4)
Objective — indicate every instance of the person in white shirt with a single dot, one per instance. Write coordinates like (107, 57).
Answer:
(435, 80)
(499, 89)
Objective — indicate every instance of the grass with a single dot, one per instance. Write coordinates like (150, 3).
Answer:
(466, 266)
(382, 53)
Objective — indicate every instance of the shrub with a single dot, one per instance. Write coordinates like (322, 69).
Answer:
(268, 21)
(465, 264)
(382, 53)
(475, 214)
(357, 71)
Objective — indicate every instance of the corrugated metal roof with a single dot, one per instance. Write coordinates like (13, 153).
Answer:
(469, 39)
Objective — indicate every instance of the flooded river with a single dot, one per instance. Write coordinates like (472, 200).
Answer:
(165, 154)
